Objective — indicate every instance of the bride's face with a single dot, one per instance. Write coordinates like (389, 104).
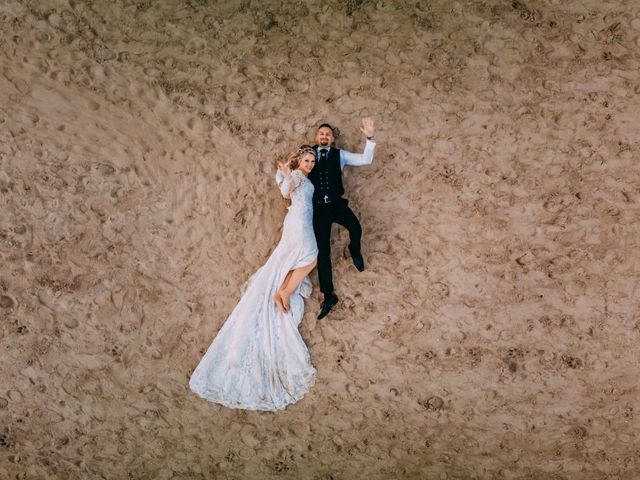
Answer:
(307, 162)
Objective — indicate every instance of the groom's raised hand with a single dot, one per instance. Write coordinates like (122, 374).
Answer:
(367, 126)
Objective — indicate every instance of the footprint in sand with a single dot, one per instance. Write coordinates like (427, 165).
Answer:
(5, 442)
(439, 290)
(15, 396)
(105, 169)
(435, 403)
(248, 436)
(578, 432)
(432, 403)
(71, 322)
(570, 361)
(20, 229)
(281, 466)
(61, 441)
(7, 302)
(44, 37)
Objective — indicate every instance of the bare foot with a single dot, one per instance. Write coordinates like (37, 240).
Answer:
(278, 300)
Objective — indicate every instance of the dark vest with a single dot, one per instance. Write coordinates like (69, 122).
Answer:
(326, 177)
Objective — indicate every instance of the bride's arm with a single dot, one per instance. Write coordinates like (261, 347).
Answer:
(285, 180)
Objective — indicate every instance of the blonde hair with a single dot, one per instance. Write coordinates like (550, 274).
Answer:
(293, 159)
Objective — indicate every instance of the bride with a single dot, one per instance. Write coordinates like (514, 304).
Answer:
(258, 360)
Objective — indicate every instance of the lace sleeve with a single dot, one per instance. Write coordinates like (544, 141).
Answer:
(290, 183)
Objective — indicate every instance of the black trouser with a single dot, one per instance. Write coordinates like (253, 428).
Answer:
(325, 215)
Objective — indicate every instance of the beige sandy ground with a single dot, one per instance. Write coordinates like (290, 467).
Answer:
(495, 332)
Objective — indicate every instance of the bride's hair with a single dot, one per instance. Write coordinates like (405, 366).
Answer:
(293, 159)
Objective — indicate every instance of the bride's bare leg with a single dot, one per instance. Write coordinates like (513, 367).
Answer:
(286, 280)
(293, 280)
(276, 296)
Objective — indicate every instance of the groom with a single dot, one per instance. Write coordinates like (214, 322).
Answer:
(329, 207)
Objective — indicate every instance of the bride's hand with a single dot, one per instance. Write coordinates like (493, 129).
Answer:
(284, 168)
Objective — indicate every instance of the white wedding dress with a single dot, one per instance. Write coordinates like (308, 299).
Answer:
(258, 360)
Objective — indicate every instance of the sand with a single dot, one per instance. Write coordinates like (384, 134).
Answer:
(495, 333)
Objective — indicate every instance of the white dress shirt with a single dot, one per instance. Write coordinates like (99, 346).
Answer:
(346, 158)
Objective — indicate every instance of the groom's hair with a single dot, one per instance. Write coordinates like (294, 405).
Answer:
(328, 126)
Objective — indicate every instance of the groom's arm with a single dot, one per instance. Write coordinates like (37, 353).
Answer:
(358, 159)
(366, 157)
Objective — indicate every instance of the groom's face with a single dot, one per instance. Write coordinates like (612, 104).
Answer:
(324, 137)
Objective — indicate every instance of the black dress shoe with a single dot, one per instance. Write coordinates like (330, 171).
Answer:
(329, 301)
(358, 261)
